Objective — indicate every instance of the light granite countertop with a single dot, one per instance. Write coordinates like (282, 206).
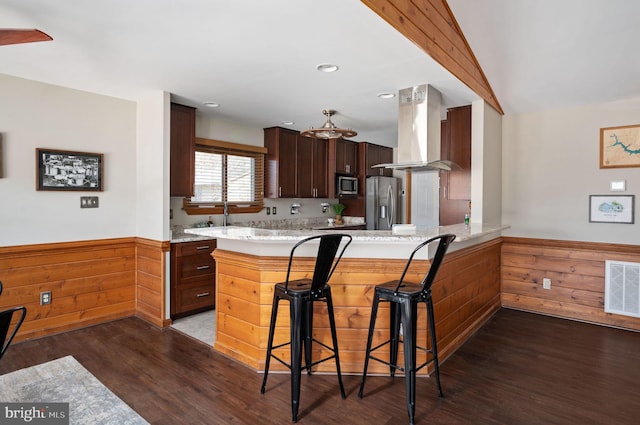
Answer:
(302, 226)
(189, 237)
(200, 233)
(366, 243)
(463, 233)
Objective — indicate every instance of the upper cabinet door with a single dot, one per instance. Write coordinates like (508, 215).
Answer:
(320, 160)
(280, 162)
(305, 164)
(346, 157)
(182, 151)
(376, 154)
(459, 122)
(312, 167)
(459, 151)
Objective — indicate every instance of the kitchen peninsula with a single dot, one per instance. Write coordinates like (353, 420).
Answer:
(251, 261)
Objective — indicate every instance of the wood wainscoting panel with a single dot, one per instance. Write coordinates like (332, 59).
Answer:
(465, 295)
(90, 282)
(150, 280)
(577, 273)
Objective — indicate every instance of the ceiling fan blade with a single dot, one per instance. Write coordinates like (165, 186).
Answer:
(16, 36)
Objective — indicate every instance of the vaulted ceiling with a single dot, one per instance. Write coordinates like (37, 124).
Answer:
(258, 58)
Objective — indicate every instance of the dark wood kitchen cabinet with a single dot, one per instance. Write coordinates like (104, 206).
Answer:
(346, 156)
(371, 154)
(295, 166)
(280, 162)
(457, 148)
(182, 151)
(455, 186)
(311, 168)
(193, 274)
(342, 159)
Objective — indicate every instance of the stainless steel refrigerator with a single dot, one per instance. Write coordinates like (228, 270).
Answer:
(381, 207)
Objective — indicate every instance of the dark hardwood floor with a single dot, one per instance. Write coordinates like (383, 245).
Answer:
(520, 368)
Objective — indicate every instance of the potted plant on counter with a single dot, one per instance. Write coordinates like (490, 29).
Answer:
(337, 210)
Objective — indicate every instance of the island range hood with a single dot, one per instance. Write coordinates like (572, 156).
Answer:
(419, 117)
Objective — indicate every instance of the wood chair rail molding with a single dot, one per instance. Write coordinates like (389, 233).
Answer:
(593, 246)
(430, 25)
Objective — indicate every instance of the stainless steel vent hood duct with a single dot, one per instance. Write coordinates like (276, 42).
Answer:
(419, 118)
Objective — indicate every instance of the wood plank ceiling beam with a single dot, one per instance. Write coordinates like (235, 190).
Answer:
(430, 24)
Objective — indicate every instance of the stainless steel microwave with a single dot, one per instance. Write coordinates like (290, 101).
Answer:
(346, 185)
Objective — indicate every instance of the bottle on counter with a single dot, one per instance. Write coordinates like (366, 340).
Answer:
(467, 216)
(210, 222)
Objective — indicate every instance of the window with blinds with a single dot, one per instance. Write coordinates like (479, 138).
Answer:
(226, 172)
(207, 185)
(224, 177)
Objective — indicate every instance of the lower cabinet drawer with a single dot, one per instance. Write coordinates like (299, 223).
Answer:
(194, 296)
(196, 265)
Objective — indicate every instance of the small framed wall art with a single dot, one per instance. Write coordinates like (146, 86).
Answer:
(620, 146)
(67, 170)
(611, 208)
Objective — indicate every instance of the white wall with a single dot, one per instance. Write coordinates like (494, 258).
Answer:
(35, 115)
(217, 128)
(152, 182)
(550, 163)
(550, 166)
(486, 169)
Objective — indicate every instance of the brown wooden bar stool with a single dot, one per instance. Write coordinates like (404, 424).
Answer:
(404, 298)
(301, 294)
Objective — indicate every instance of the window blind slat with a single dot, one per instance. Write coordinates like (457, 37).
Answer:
(223, 176)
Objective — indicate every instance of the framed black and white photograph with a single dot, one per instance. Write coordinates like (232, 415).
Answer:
(611, 208)
(67, 170)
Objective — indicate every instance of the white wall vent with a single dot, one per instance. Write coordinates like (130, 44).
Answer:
(622, 288)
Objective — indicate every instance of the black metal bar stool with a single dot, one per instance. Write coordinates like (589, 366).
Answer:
(301, 294)
(404, 298)
(7, 331)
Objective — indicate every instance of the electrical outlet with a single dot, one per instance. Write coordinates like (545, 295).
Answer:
(268, 210)
(273, 210)
(45, 297)
(546, 283)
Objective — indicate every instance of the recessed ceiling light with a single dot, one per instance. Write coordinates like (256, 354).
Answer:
(386, 95)
(287, 122)
(211, 104)
(327, 67)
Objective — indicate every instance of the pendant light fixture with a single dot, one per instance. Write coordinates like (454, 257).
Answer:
(329, 129)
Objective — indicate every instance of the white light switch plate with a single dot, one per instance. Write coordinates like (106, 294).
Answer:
(618, 186)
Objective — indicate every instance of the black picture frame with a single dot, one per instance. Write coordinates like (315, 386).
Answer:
(612, 209)
(69, 170)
